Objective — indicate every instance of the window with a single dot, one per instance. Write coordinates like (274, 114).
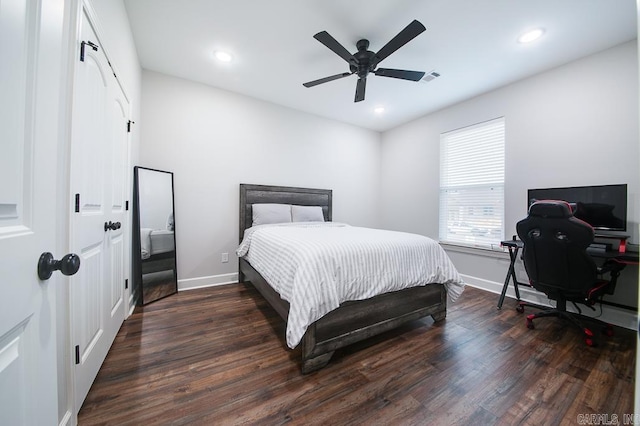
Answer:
(472, 185)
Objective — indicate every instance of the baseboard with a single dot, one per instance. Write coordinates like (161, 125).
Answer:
(210, 281)
(132, 305)
(66, 419)
(611, 314)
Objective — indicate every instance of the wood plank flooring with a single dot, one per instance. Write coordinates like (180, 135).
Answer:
(217, 356)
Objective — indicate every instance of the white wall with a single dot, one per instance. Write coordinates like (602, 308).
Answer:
(574, 125)
(213, 140)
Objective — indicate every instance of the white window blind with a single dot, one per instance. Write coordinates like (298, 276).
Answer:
(472, 185)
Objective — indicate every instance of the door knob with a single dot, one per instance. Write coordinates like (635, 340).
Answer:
(68, 265)
(111, 225)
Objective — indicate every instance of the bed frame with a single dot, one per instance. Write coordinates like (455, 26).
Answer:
(352, 321)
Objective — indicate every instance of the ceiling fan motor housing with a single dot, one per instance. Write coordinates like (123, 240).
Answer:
(364, 59)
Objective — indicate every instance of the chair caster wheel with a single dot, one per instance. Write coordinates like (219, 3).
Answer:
(520, 309)
(530, 325)
(589, 337)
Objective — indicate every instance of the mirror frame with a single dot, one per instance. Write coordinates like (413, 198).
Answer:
(137, 285)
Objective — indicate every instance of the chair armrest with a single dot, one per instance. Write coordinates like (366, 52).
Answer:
(613, 268)
(610, 266)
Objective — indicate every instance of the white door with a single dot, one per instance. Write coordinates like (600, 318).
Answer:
(99, 153)
(31, 56)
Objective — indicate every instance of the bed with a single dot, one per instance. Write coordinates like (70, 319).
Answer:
(351, 321)
(157, 249)
(155, 241)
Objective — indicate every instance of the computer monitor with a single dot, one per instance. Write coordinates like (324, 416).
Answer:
(603, 206)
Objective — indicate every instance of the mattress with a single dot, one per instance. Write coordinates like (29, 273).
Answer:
(162, 241)
(317, 266)
(155, 241)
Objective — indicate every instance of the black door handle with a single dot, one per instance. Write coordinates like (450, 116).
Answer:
(111, 226)
(68, 265)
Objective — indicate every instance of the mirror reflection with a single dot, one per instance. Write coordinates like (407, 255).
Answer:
(154, 230)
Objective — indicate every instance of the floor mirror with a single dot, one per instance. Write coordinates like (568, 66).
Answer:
(154, 238)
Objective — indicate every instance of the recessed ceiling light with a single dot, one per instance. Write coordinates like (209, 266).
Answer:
(530, 36)
(222, 56)
(378, 109)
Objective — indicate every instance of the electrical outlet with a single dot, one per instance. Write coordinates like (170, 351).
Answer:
(225, 257)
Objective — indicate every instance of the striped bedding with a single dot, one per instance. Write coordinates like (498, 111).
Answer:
(317, 266)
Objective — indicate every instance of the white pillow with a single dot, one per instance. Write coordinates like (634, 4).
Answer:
(307, 214)
(271, 213)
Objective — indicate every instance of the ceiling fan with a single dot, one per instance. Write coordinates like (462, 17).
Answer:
(364, 61)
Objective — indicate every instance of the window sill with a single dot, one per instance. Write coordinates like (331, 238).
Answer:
(496, 253)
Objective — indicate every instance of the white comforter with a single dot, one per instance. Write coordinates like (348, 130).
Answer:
(317, 266)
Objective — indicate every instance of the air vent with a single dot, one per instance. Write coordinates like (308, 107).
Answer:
(432, 75)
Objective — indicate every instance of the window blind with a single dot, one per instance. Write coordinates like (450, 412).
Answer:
(472, 185)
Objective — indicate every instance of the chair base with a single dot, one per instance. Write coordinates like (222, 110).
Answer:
(563, 314)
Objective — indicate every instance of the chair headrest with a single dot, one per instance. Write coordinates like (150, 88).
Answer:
(550, 208)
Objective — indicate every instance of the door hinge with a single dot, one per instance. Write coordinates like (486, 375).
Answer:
(129, 123)
(77, 206)
(77, 354)
(126, 205)
(126, 284)
(86, 43)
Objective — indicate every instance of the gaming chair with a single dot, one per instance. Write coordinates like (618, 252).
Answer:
(558, 265)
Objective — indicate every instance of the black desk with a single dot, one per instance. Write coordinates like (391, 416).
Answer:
(514, 247)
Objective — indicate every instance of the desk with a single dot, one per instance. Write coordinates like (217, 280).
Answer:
(514, 247)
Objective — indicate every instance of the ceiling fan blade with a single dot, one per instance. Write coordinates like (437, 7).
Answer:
(326, 79)
(403, 37)
(403, 74)
(362, 84)
(326, 39)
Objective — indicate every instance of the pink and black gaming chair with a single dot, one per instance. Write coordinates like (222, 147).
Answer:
(556, 260)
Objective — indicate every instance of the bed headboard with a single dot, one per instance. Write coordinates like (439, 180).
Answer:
(254, 194)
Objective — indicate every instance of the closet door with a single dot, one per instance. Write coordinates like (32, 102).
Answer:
(99, 150)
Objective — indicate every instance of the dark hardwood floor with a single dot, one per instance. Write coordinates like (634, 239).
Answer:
(217, 356)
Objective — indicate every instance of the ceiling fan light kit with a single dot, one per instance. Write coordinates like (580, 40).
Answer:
(365, 61)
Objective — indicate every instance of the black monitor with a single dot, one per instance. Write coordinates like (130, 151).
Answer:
(604, 206)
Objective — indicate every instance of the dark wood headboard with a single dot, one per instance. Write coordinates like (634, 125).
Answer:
(255, 194)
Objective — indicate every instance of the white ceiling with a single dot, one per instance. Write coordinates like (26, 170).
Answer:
(471, 43)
